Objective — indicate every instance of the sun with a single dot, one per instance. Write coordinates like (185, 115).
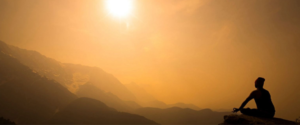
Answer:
(119, 8)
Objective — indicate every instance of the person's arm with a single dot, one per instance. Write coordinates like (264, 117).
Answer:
(245, 102)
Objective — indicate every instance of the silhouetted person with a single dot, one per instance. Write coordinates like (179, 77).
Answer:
(262, 97)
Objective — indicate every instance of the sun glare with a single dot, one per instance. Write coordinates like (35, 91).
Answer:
(119, 8)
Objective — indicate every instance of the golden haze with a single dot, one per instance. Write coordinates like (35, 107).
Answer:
(205, 52)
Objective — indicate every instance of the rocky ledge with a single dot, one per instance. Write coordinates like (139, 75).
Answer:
(244, 119)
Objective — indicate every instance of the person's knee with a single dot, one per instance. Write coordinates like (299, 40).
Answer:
(242, 111)
(245, 111)
(270, 115)
(257, 113)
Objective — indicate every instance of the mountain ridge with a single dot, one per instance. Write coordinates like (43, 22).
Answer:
(91, 111)
(74, 76)
(28, 98)
(64, 72)
(25, 96)
(176, 115)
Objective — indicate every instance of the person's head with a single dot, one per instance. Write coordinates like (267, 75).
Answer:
(259, 83)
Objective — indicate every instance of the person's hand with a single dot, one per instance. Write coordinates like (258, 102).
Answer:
(235, 110)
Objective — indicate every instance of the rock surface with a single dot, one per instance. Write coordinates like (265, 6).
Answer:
(5, 121)
(244, 119)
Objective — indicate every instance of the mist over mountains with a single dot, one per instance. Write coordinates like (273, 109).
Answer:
(70, 75)
(88, 90)
(147, 100)
(84, 80)
(37, 89)
(90, 111)
(25, 96)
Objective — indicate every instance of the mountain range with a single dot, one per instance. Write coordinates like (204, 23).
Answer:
(91, 111)
(185, 116)
(25, 96)
(36, 89)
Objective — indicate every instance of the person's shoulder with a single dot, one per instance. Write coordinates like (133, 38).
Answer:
(266, 91)
(254, 92)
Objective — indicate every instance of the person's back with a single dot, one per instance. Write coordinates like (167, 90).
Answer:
(262, 97)
(263, 100)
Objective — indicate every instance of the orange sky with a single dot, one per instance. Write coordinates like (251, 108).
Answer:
(205, 52)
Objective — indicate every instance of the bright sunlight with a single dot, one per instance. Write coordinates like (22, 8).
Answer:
(119, 8)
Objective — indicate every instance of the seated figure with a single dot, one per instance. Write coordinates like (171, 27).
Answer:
(262, 97)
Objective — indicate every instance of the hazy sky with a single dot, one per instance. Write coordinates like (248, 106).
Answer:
(205, 52)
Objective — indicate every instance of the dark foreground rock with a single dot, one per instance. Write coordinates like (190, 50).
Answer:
(244, 119)
(5, 121)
